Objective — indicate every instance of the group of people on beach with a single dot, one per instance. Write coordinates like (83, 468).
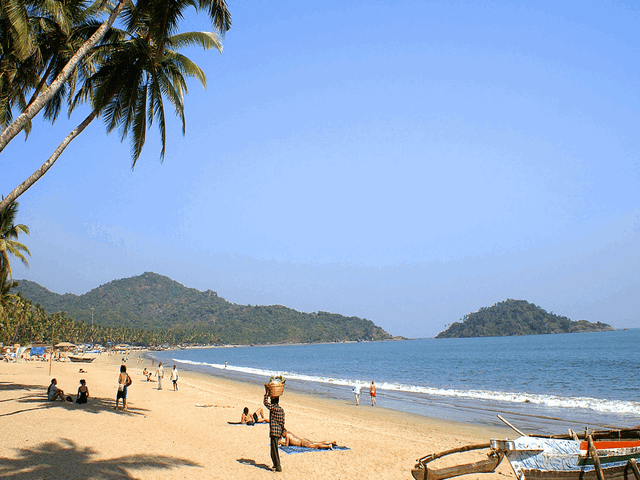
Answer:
(278, 434)
(357, 390)
(55, 393)
(124, 381)
(160, 375)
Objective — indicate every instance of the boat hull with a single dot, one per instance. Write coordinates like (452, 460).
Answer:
(562, 459)
(76, 359)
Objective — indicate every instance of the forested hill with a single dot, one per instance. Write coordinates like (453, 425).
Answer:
(517, 317)
(152, 301)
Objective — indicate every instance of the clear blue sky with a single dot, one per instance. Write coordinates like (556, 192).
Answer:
(406, 162)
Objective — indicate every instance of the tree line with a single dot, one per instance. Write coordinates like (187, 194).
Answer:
(24, 323)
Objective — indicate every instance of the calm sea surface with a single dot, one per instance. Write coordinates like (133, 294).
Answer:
(541, 383)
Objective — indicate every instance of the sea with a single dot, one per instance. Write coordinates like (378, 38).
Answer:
(542, 384)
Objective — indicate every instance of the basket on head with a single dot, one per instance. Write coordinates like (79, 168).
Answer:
(275, 389)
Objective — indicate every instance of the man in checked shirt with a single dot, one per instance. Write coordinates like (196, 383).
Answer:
(276, 426)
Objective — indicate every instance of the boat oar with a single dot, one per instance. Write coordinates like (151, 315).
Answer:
(508, 424)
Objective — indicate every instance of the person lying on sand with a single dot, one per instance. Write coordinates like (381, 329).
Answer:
(290, 439)
(255, 417)
(53, 392)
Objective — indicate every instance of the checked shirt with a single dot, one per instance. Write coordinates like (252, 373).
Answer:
(276, 418)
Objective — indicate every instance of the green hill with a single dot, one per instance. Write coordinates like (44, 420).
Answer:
(152, 301)
(517, 317)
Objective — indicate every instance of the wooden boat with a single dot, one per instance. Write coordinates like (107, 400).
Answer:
(606, 454)
(82, 358)
(598, 455)
(422, 471)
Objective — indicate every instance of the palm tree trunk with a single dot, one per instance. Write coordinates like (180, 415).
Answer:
(25, 117)
(35, 176)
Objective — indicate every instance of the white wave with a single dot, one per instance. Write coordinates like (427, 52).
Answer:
(599, 405)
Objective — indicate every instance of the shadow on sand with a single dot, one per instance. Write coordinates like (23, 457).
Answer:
(248, 461)
(65, 459)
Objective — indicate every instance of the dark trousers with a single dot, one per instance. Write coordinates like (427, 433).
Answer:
(275, 456)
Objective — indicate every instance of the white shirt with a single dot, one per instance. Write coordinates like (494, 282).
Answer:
(356, 389)
(52, 391)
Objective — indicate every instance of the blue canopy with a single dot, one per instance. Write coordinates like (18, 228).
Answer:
(37, 350)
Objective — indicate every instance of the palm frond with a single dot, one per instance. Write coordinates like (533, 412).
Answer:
(206, 40)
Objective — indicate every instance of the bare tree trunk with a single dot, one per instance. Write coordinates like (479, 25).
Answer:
(32, 110)
(35, 176)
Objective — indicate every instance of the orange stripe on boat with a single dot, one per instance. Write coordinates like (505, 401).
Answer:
(612, 444)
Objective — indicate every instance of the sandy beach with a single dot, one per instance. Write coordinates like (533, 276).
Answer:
(185, 434)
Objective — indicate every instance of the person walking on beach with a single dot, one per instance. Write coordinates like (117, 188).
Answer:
(372, 393)
(160, 375)
(124, 380)
(276, 426)
(174, 378)
(356, 392)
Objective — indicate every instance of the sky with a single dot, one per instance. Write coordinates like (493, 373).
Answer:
(408, 162)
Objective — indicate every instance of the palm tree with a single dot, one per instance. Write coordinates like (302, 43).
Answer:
(9, 244)
(132, 75)
(166, 14)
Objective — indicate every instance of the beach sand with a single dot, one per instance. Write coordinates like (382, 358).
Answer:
(185, 434)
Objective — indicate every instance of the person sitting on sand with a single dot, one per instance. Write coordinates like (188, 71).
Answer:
(83, 392)
(255, 417)
(53, 392)
(290, 439)
(147, 374)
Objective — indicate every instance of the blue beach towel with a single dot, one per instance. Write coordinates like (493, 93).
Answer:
(291, 449)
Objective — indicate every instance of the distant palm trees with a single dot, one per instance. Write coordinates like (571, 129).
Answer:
(57, 51)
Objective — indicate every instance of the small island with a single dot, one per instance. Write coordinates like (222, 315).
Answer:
(517, 317)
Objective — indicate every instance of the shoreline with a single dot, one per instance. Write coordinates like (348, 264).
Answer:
(166, 435)
(527, 411)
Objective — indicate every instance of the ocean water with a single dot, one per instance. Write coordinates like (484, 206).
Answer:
(540, 383)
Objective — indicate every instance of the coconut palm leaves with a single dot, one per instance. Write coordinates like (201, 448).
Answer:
(124, 74)
(166, 15)
(136, 76)
(132, 76)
